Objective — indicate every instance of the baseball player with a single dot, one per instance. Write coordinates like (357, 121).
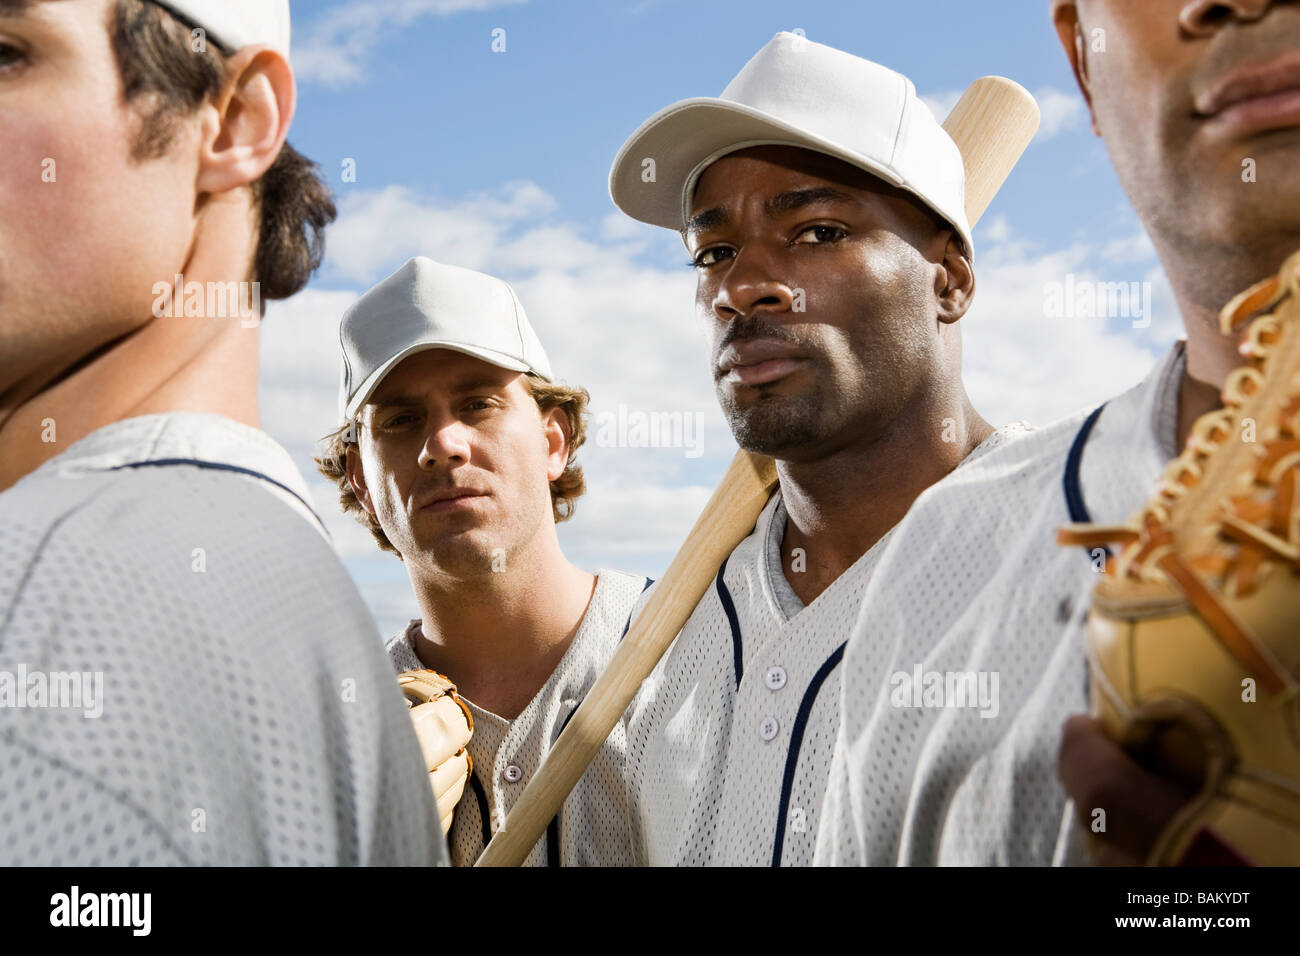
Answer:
(822, 205)
(974, 582)
(458, 453)
(161, 574)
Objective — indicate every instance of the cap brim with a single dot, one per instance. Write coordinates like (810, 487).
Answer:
(372, 381)
(685, 138)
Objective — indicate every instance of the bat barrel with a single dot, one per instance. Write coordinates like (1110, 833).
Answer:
(992, 124)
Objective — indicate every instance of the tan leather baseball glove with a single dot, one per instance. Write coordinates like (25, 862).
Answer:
(444, 725)
(1194, 630)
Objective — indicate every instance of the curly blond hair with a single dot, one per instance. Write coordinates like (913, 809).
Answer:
(565, 490)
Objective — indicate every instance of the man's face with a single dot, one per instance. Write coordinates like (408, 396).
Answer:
(1199, 106)
(455, 460)
(819, 299)
(85, 230)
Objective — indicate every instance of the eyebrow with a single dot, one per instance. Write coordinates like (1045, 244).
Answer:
(11, 8)
(406, 400)
(798, 198)
(394, 401)
(709, 219)
(786, 202)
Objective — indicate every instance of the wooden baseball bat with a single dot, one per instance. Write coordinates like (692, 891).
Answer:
(991, 124)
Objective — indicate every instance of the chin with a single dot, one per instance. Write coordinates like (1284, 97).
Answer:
(776, 431)
(460, 555)
(1267, 221)
(774, 415)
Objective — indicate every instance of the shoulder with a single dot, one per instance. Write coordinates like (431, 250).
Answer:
(1013, 458)
(164, 551)
(1004, 492)
(617, 598)
(115, 830)
(619, 592)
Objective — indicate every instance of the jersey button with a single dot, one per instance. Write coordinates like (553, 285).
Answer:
(513, 774)
(775, 678)
(769, 728)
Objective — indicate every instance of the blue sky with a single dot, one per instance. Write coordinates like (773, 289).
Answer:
(499, 161)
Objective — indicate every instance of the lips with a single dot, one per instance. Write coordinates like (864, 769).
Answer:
(450, 499)
(1255, 98)
(759, 361)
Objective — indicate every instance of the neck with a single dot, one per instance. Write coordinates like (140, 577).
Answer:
(192, 364)
(1204, 279)
(499, 635)
(840, 506)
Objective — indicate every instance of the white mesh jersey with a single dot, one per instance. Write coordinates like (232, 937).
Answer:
(730, 740)
(974, 583)
(592, 827)
(247, 714)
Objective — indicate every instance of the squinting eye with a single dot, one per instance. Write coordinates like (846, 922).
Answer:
(822, 234)
(9, 55)
(397, 420)
(710, 257)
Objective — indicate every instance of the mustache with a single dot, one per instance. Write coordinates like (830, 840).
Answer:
(755, 327)
(437, 484)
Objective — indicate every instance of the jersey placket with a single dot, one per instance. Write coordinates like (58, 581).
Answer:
(788, 696)
(515, 763)
(466, 836)
(776, 679)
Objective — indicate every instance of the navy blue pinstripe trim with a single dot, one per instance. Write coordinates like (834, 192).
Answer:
(220, 466)
(553, 856)
(1074, 499)
(730, 607)
(553, 841)
(628, 625)
(1073, 463)
(796, 742)
(483, 814)
(553, 828)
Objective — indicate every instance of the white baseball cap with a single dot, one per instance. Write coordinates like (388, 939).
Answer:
(795, 92)
(236, 24)
(427, 305)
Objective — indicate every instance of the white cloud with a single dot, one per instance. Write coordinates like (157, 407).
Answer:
(1062, 110)
(622, 228)
(941, 103)
(334, 50)
(1135, 248)
(602, 532)
(300, 369)
(996, 230)
(387, 227)
(1022, 363)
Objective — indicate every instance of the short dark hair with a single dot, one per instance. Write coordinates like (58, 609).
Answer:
(166, 79)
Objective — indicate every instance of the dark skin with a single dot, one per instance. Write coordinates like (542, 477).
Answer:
(1155, 99)
(832, 301)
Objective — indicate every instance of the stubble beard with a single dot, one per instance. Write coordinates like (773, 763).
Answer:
(775, 425)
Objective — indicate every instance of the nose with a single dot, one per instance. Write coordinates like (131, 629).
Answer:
(750, 287)
(448, 443)
(1202, 18)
